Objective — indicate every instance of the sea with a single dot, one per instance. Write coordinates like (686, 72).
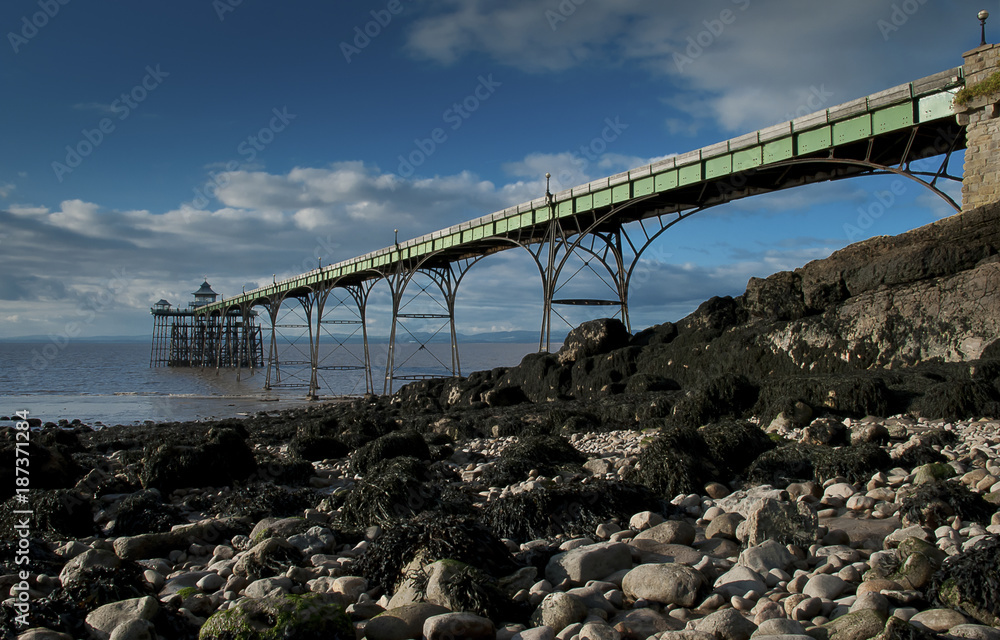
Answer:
(104, 384)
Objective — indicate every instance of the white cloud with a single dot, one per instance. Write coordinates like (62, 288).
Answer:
(6, 189)
(740, 64)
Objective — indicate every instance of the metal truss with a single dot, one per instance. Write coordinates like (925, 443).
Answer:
(445, 277)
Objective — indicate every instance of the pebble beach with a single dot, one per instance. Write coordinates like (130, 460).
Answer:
(714, 565)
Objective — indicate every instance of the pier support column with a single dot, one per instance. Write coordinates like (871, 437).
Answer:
(981, 180)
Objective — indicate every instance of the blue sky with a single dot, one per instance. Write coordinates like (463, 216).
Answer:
(148, 145)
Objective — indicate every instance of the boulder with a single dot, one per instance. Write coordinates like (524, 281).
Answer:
(667, 583)
(222, 458)
(858, 625)
(593, 338)
(738, 580)
(468, 626)
(290, 616)
(558, 610)
(784, 522)
(402, 622)
(766, 556)
(105, 619)
(727, 624)
(154, 545)
(91, 558)
(670, 532)
(724, 526)
(591, 562)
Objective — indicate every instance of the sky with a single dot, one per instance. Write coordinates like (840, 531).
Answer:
(147, 146)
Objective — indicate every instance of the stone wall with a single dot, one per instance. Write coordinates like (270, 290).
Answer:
(981, 182)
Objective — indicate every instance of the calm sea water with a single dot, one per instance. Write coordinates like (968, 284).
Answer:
(114, 384)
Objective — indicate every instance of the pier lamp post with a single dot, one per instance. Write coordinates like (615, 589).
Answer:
(982, 26)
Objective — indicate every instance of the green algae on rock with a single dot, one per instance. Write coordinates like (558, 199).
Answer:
(303, 617)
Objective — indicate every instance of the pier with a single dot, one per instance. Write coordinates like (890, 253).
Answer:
(609, 223)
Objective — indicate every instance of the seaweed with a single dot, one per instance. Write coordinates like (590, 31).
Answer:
(57, 514)
(733, 445)
(932, 503)
(970, 582)
(675, 462)
(726, 396)
(553, 510)
(145, 512)
(66, 608)
(958, 399)
(857, 463)
(257, 500)
(392, 489)
(391, 445)
(433, 536)
(786, 464)
(317, 447)
(546, 453)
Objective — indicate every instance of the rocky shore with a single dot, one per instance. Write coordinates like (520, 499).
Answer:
(398, 540)
(809, 460)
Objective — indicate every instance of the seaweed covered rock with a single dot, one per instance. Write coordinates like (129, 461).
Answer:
(458, 586)
(958, 399)
(733, 445)
(857, 463)
(221, 459)
(311, 616)
(727, 396)
(52, 467)
(271, 557)
(932, 503)
(898, 629)
(392, 489)
(66, 608)
(800, 462)
(540, 376)
(674, 462)
(546, 453)
(391, 445)
(794, 462)
(317, 447)
(254, 500)
(57, 513)
(853, 394)
(283, 470)
(593, 338)
(567, 510)
(783, 522)
(970, 582)
(430, 537)
(144, 512)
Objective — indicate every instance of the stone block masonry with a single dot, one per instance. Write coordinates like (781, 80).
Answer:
(981, 181)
